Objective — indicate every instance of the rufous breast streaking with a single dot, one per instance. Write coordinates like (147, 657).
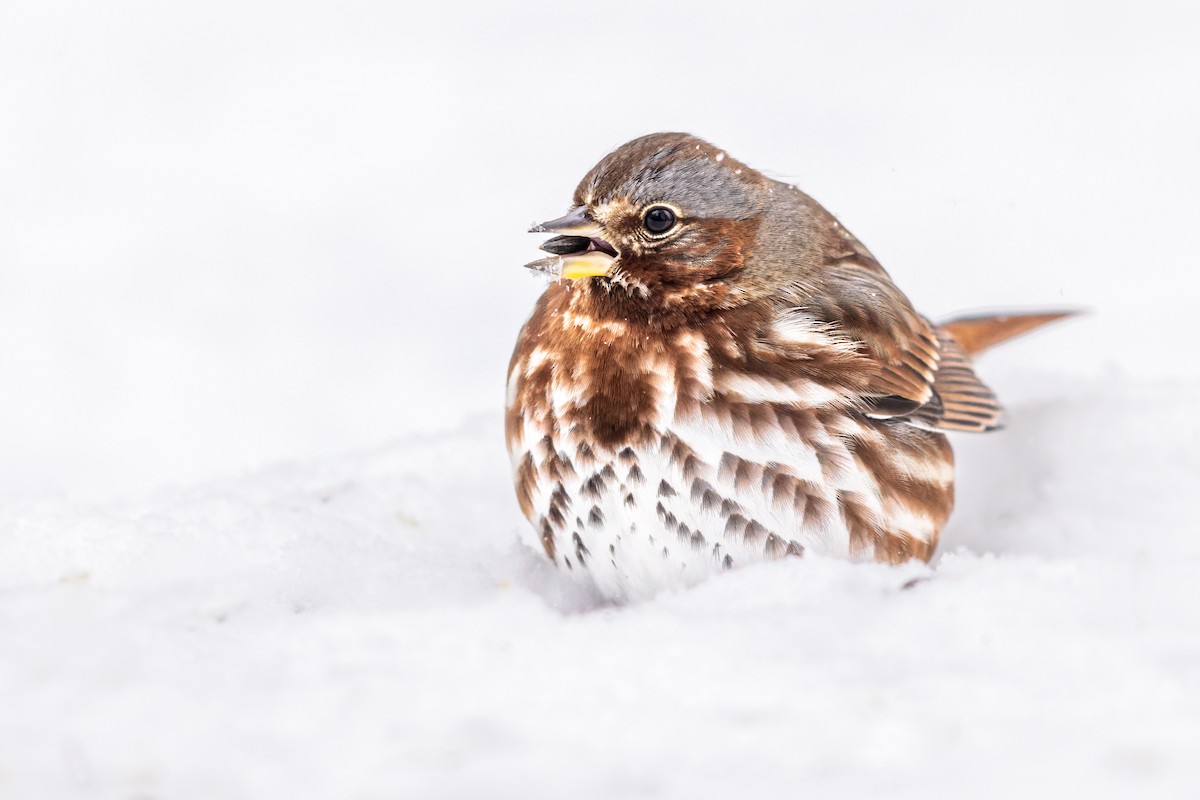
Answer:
(722, 374)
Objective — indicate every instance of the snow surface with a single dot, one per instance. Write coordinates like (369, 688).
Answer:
(369, 627)
(246, 233)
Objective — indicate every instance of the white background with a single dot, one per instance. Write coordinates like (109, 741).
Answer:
(237, 234)
(241, 232)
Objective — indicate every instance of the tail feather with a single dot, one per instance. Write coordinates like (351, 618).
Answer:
(980, 332)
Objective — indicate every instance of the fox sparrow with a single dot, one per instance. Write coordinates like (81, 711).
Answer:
(722, 374)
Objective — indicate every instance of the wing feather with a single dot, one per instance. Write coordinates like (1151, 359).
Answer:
(913, 371)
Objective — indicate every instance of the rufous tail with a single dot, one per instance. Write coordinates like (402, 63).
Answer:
(980, 332)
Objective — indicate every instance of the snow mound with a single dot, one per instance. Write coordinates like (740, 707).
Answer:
(370, 627)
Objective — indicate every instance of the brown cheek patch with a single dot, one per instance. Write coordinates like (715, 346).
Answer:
(706, 250)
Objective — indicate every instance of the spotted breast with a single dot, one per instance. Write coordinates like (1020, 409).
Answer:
(648, 459)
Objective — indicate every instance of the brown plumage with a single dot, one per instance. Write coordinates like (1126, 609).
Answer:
(724, 374)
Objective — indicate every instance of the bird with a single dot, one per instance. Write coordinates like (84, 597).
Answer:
(719, 373)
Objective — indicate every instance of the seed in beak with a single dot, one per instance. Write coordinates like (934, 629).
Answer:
(565, 245)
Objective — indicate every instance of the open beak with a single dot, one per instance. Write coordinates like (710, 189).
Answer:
(579, 252)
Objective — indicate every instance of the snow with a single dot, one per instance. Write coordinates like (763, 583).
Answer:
(368, 626)
(262, 271)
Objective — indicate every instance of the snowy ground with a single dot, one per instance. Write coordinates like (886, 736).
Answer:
(369, 627)
(244, 234)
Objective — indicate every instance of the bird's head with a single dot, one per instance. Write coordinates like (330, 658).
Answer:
(667, 218)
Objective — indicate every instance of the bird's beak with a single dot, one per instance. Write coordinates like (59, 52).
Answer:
(575, 222)
(579, 252)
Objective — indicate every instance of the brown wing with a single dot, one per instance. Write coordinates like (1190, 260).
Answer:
(964, 403)
(911, 370)
(863, 303)
(940, 388)
(901, 348)
(914, 371)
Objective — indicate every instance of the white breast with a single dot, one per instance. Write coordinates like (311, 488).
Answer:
(695, 501)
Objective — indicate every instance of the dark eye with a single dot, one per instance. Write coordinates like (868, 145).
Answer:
(659, 219)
